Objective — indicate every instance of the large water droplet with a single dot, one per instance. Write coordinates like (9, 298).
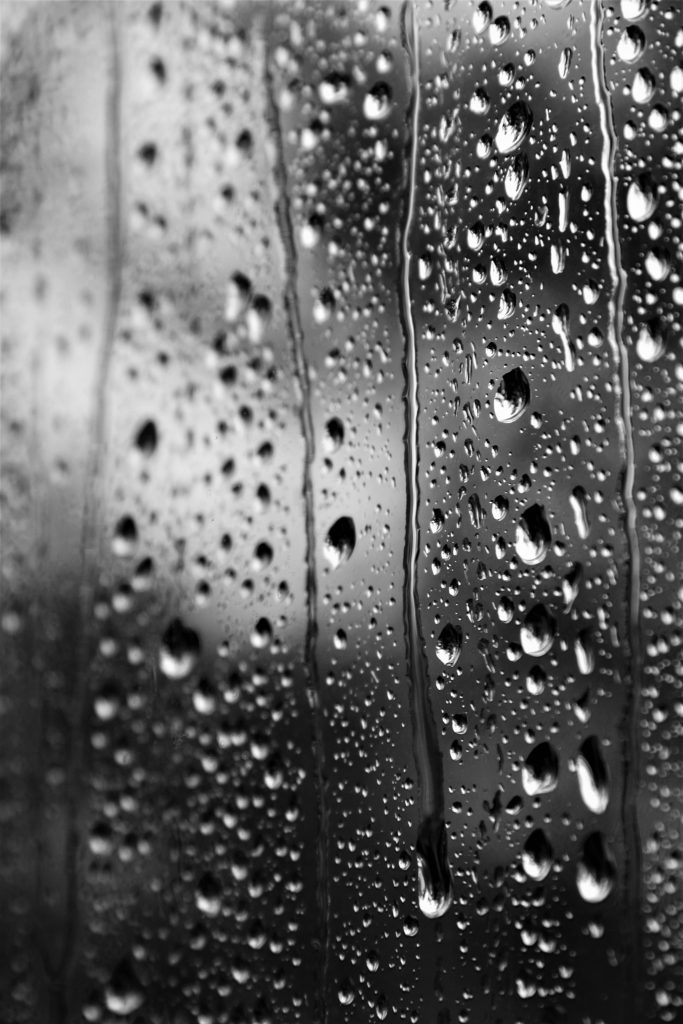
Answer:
(449, 645)
(579, 503)
(537, 632)
(123, 994)
(537, 856)
(631, 45)
(595, 873)
(532, 538)
(591, 772)
(512, 396)
(434, 891)
(179, 650)
(514, 127)
(641, 198)
(340, 541)
(377, 102)
(540, 771)
(517, 176)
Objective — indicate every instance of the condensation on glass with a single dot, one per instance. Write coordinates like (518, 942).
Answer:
(341, 512)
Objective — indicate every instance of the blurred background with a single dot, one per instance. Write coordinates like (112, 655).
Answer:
(341, 508)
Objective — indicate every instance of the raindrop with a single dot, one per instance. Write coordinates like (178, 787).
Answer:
(631, 45)
(237, 296)
(516, 176)
(125, 540)
(643, 88)
(377, 102)
(591, 773)
(537, 632)
(532, 538)
(641, 199)
(334, 435)
(434, 892)
(449, 645)
(179, 651)
(540, 770)
(340, 541)
(537, 857)
(595, 873)
(208, 895)
(512, 397)
(123, 994)
(579, 504)
(514, 127)
(146, 439)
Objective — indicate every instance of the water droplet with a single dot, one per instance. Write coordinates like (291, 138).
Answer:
(125, 540)
(540, 770)
(591, 773)
(595, 873)
(584, 651)
(641, 198)
(512, 397)
(340, 541)
(123, 995)
(537, 857)
(208, 895)
(565, 62)
(179, 651)
(507, 304)
(514, 127)
(334, 89)
(516, 176)
(537, 632)
(633, 10)
(499, 31)
(579, 504)
(449, 645)
(146, 439)
(434, 891)
(532, 538)
(643, 88)
(631, 45)
(334, 435)
(237, 296)
(651, 342)
(377, 102)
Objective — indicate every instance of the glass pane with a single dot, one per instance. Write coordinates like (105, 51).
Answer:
(341, 533)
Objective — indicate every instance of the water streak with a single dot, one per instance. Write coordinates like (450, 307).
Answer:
(622, 387)
(314, 690)
(434, 883)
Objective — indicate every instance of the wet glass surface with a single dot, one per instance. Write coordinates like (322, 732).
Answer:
(341, 512)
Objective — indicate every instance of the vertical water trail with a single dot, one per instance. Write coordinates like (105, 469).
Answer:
(79, 725)
(434, 881)
(622, 387)
(314, 691)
